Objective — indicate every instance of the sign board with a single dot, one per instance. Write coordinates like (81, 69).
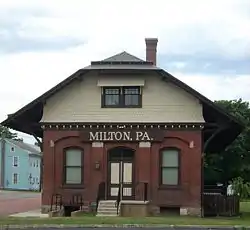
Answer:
(122, 135)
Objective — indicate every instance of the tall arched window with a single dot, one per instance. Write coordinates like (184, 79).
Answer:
(73, 166)
(169, 167)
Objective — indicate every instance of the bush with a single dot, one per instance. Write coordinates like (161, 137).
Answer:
(241, 188)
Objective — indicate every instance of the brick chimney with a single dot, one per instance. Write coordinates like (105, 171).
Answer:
(151, 49)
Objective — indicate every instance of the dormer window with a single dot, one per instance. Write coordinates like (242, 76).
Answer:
(122, 97)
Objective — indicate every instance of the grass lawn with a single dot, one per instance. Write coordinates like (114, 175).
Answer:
(161, 220)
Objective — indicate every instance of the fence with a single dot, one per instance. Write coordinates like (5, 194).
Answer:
(217, 204)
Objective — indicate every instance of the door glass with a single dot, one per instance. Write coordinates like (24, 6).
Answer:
(115, 173)
(127, 191)
(127, 173)
(114, 191)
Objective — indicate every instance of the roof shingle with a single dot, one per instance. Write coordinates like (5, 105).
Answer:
(123, 57)
(28, 147)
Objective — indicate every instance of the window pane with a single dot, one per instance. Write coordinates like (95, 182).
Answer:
(131, 99)
(111, 91)
(169, 176)
(73, 157)
(131, 91)
(170, 158)
(73, 175)
(111, 99)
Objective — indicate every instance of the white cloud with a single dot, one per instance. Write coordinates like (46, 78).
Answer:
(217, 87)
(107, 27)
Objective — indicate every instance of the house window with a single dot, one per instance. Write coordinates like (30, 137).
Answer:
(121, 97)
(12, 149)
(15, 161)
(169, 171)
(15, 178)
(73, 167)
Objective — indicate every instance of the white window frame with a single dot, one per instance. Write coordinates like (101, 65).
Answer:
(12, 149)
(15, 158)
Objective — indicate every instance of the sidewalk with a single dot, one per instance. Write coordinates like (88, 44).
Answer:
(33, 213)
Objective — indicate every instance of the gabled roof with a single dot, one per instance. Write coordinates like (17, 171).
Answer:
(28, 147)
(27, 118)
(123, 56)
(120, 61)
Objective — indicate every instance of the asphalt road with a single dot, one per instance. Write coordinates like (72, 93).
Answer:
(134, 228)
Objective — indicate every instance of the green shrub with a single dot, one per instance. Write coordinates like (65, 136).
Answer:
(241, 188)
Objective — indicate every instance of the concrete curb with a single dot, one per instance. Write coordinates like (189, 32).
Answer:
(61, 226)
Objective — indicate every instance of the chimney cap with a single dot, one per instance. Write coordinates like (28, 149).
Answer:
(151, 40)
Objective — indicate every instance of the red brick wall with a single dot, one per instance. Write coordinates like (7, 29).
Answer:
(147, 167)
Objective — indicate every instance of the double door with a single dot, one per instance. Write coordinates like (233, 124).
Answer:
(121, 177)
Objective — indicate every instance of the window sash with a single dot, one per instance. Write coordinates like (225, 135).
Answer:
(73, 157)
(169, 175)
(122, 97)
(73, 175)
(73, 166)
(169, 168)
(131, 96)
(170, 158)
(112, 96)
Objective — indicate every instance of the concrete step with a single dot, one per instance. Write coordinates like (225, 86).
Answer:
(107, 202)
(107, 205)
(104, 208)
(108, 211)
(107, 208)
(106, 214)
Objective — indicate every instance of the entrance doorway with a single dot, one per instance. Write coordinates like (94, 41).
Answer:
(121, 173)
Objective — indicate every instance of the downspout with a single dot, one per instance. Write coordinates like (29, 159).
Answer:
(202, 175)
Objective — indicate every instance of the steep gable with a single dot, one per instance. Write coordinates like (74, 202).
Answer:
(162, 102)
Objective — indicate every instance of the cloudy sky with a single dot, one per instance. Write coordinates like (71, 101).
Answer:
(204, 43)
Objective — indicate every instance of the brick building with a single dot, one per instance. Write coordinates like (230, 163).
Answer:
(123, 122)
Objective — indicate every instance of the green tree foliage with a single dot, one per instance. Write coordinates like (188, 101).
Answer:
(241, 187)
(234, 162)
(6, 133)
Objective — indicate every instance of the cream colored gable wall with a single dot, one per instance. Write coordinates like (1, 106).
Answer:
(162, 102)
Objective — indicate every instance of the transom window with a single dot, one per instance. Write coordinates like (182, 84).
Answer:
(121, 97)
(73, 166)
(169, 172)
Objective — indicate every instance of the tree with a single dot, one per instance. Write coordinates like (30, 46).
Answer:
(234, 161)
(6, 133)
